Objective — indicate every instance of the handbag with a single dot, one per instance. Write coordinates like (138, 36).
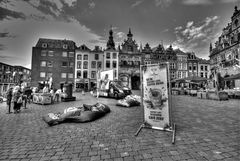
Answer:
(19, 100)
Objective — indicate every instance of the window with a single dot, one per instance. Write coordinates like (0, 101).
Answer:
(206, 68)
(99, 64)
(64, 54)
(201, 67)
(206, 75)
(184, 74)
(107, 64)
(79, 64)
(115, 74)
(50, 64)
(50, 53)
(85, 65)
(130, 63)
(85, 74)
(49, 75)
(70, 75)
(96, 56)
(43, 53)
(190, 67)
(64, 64)
(172, 74)
(65, 46)
(179, 74)
(79, 57)
(93, 64)
(114, 64)
(71, 64)
(194, 67)
(93, 74)
(201, 74)
(114, 55)
(44, 45)
(108, 56)
(43, 63)
(85, 57)
(63, 75)
(71, 54)
(42, 74)
(79, 73)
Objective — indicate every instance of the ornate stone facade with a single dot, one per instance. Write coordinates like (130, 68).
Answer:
(224, 57)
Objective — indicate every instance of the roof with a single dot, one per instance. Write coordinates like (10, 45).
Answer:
(56, 43)
(233, 77)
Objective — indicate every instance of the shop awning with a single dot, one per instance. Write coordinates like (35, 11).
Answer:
(233, 77)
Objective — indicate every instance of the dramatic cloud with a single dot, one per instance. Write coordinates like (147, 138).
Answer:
(163, 3)
(197, 37)
(91, 5)
(197, 2)
(2, 47)
(137, 3)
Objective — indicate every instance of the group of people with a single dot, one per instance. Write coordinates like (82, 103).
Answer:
(17, 97)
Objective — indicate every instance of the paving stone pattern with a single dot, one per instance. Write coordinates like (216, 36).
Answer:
(206, 130)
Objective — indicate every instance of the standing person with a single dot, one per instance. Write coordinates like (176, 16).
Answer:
(27, 92)
(57, 94)
(52, 95)
(17, 99)
(9, 99)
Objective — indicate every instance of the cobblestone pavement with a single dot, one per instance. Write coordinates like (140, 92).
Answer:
(206, 130)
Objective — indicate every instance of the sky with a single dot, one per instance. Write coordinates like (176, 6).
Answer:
(190, 25)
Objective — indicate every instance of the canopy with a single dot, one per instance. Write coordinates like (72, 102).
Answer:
(233, 77)
(191, 79)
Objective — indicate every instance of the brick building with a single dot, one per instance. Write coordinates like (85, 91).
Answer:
(53, 62)
(11, 75)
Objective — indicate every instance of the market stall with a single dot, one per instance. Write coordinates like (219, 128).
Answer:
(42, 98)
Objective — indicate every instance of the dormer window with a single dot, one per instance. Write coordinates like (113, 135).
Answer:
(65, 46)
(44, 45)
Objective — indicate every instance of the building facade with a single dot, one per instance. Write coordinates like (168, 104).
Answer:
(203, 68)
(192, 64)
(53, 63)
(224, 57)
(110, 56)
(130, 59)
(12, 75)
(182, 64)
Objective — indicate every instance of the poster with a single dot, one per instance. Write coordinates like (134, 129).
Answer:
(103, 80)
(155, 95)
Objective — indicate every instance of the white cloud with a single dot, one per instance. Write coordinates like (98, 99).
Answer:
(189, 24)
(69, 2)
(163, 3)
(120, 34)
(196, 36)
(197, 2)
(137, 3)
(91, 5)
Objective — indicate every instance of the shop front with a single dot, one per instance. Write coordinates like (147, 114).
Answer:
(82, 84)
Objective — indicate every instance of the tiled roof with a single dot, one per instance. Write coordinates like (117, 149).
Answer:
(56, 43)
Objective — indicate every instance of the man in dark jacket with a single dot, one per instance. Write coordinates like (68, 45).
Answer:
(9, 99)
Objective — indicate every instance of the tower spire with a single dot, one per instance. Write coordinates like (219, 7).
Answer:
(110, 43)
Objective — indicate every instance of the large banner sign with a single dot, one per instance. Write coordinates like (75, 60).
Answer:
(155, 95)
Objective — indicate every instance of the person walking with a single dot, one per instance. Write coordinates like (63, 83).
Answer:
(17, 99)
(57, 95)
(9, 99)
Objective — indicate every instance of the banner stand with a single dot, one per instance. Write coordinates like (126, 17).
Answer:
(172, 126)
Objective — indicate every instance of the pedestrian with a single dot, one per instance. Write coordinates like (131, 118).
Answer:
(52, 95)
(17, 99)
(57, 95)
(27, 92)
(46, 89)
(9, 99)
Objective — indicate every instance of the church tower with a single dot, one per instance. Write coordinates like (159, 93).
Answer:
(110, 43)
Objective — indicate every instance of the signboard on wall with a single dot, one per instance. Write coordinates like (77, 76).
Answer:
(155, 95)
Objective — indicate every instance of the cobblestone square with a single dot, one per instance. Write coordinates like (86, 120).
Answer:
(206, 130)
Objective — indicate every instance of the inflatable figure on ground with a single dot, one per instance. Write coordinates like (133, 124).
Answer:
(85, 113)
(129, 101)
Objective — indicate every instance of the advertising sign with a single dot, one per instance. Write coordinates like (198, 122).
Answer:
(103, 80)
(155, 95)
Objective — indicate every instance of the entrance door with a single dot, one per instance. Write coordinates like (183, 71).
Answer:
(135, 82)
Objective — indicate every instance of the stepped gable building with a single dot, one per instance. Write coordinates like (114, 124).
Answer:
(53, 62)
(182, 64)
(192, 64)
(146, 54)
(225, 55)
(130, 59)
(110, 56)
